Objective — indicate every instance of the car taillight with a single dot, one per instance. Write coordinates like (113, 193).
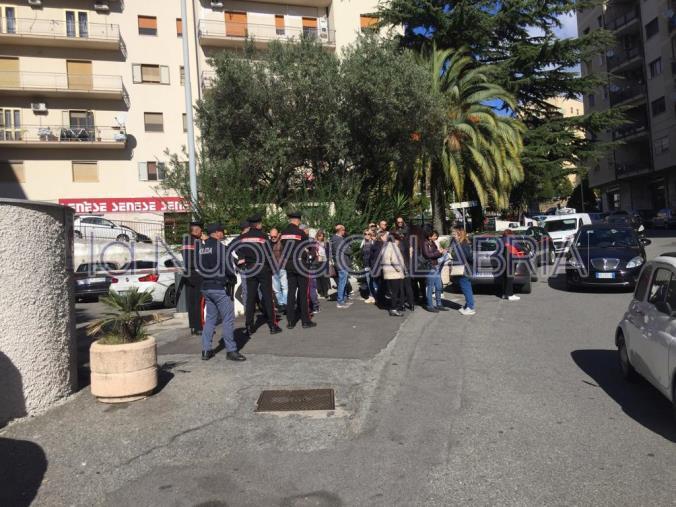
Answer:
(113, 280)
(153, 277)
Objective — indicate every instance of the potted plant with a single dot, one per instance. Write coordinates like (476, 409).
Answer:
(123, 361)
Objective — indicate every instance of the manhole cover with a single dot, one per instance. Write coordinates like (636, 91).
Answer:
(293, 400)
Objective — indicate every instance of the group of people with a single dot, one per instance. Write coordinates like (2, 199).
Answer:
(287, 272)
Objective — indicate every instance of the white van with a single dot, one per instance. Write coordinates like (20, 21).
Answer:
(562, 228)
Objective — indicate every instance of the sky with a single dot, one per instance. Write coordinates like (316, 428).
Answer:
(569, 28)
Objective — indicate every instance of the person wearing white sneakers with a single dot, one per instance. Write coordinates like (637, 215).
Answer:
(507, 277)
(462, 253)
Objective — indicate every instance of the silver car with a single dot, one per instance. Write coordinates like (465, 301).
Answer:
(646, 336)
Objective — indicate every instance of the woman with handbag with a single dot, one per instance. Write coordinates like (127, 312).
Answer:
(432, 253)
(462, 257)
(394, 273)
(323, 283)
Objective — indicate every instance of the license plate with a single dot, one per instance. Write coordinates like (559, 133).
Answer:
(605, 275)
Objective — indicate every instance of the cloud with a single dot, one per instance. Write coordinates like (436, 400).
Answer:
(568, 26)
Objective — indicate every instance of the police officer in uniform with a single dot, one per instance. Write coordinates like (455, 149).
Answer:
(191, 281)
(218, 285)
(298, 295)
(254, 246)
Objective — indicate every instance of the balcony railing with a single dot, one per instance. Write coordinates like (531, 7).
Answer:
(58, 29)
(619, 22)
(632, 129)
(631, 168)
(213, 29)
(620, 57)
(43, 81)
(64, 135)
(626, 93)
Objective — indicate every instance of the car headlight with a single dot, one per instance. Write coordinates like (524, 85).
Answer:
(641, 228)
(574, 263)
(635, 262)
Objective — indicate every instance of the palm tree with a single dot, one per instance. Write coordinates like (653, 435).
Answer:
(481, 149)
(123, 323)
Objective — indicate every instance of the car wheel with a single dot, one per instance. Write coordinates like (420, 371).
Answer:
(170, 297)
(628, 372)
(526, 288)
(123, 237)
(77, 234)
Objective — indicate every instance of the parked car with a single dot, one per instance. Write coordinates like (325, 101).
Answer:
(140, 238)
(646, 335)
(545, 253)
(626, 219)
(665, 218)
(148, 275)
(93, 280)
(86, 226)
(562, 228)
(604, 256)
(485, 253)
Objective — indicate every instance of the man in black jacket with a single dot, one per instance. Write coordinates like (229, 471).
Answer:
(191, 280)
(293, 238)
(218, 283)
(254, 245)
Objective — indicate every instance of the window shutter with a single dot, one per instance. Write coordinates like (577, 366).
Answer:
(143, 171)
(65, 118)
(136, 73)
(164, 74)
(160, 171)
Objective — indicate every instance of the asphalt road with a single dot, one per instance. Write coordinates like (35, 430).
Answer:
(522, 404)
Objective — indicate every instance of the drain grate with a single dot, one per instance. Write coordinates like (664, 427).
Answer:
(293, 400)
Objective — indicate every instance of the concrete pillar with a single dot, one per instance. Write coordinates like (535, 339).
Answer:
(37, 318)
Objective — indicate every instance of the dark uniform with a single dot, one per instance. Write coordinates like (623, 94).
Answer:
(191, 282)
(253, 247)
(298, 295)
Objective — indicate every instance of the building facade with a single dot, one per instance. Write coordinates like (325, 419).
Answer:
(92, 91)
(641, 172)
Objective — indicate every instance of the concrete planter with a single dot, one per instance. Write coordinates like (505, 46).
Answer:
(122, 373)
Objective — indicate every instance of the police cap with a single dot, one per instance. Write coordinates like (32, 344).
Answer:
(211, 228)
(197, 224)
(244, 224)
(294, 214)
(254, 219)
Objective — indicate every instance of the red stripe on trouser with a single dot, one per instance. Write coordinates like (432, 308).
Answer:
(203, 311)
(309, 299)
(272, 304)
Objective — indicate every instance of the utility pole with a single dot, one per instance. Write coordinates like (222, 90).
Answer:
(188, 107)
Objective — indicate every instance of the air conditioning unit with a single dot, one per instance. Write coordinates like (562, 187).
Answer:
(38, 107)
(101, 6)
(216, 4)
(323, 25)
(37, 3)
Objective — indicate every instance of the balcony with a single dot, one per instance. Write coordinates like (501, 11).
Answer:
(232, 35)
(630, 169)
(64, 137)
(627, 20)
(47, 84)
(56, 33)
(628, 95)
(631, 131)
(207, 79)
(625, 59)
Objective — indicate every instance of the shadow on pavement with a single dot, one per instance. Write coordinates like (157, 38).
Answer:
(640, 401)
(22, 468)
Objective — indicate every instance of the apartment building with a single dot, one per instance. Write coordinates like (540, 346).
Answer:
(92, 91)
(641, 172)
(570, 108)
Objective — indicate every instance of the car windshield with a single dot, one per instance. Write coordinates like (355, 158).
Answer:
(95, 267)
(619, 220)
(567, 224)
(606, 238)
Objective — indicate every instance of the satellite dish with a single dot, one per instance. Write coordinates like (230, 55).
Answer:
(121, 119)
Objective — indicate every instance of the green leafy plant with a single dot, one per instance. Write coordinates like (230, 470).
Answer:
(123, 323)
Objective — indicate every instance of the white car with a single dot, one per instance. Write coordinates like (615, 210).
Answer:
(563, 228)
(147, 276)
(646, 336)
(86, 226)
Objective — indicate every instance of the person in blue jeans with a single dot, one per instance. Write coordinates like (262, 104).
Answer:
(432, 253)
(464, 256)
(218, 283)
(342, 260)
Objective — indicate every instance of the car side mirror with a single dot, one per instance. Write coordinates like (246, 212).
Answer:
(645, 241)
(664, 307)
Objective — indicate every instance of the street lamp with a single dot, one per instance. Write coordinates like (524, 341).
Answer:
(188, 107)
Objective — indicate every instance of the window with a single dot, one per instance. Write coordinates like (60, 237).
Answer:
(142, 73)
(185, 122)
(85, 172)
(655, 68)
(151, 171)
(366, 22)
(605, 91)
(10, 125)
(181, 75)
(586, 31)
(661, 145)
(642, 285)
(12, 172)
(660, 286)
(10, 20)
(310, 26)
(154, 122)
(280, 27)
(77, 24)
(652, 28)
(658, 106)
(599, 21)
(592, 100)
(81, 125)
(147, 25)
(179, 27)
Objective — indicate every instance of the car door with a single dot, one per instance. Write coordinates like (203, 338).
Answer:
(636, 316)
(653, 342)
(107, 229)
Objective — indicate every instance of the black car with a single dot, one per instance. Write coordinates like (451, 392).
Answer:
(93, 280)
(605, 255)
(485, 251)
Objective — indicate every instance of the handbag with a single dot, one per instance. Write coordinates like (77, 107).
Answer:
(457, 270)
(332, 271)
